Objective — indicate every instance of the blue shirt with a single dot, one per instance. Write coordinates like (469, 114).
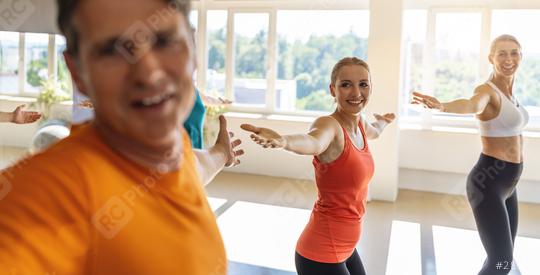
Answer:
(194, 123)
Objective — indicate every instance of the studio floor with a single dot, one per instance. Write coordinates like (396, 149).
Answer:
(421, 233)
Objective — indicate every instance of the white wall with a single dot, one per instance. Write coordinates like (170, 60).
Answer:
(384, 34)
(28, 16)
(434, 161)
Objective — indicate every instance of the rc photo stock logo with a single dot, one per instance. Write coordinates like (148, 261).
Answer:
(13, 13)
(135, 42)
(5, 187)
(457, 204)
(112, 217)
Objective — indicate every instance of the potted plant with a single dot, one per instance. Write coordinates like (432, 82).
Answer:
(54, 126)
(51, 93)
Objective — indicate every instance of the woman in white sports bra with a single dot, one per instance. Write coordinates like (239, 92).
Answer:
(491, 185)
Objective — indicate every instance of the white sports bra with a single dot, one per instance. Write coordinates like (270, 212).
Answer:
(510, 121)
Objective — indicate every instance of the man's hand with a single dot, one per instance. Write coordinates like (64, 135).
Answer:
(224, 143)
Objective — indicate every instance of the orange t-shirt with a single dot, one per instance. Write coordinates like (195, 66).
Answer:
(81, 208)
(334, 227)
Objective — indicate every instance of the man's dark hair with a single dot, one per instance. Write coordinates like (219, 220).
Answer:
(66, 10)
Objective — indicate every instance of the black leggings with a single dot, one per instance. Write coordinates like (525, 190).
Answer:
(491, 190)
(351, 266)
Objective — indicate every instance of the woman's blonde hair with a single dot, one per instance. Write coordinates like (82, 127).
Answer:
(500, 38)
(346, 62)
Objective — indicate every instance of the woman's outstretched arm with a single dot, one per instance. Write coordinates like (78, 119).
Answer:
(19, 116)
(315, 142)
(474, 105)
(375, 129)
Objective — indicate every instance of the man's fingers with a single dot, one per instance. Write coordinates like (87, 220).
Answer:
(236, 143)
(222, 123)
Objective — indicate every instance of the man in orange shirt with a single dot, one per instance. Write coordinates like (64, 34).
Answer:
(123, 194)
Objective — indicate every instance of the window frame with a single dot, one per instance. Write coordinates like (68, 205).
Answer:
(52, 65)
(428, 119)
(260, 6)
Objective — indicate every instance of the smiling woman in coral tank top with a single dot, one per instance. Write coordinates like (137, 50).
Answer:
(343, 168)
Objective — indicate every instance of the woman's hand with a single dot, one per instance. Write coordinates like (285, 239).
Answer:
(215, 101)
(24, 117)
(386, 118)
(265, 137)
(427, 101)
(86, 104)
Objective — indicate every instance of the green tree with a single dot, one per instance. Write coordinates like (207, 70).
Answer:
(310, 63)
(527, 84)
(216, 52)
(33, 74)
(455, 78)
(251, 56)
(319, 101)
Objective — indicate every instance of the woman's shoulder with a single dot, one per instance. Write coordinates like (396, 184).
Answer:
(484, 87)
(326, 122)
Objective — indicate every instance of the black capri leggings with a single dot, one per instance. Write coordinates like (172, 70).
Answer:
(351, 266)
(491, 191)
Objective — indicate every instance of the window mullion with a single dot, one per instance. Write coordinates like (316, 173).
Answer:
(52, 59)
(202, 61)
(22, 66)
(229, 58)
(271, 62)
(429, 66)
(485, 38)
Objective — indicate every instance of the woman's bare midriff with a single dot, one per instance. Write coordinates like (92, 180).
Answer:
(504, 148)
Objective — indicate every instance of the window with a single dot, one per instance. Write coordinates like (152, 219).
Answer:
(441, 58)
(30, 60)
(9, 62)
(456, 55)
(527, 82)
(216, 52)
(274, 57)
(194, 22)
(194, 19)
(62, 73)
(36, 61)
(414, 43)
(308, 47)
(250, 59)
(445, 54)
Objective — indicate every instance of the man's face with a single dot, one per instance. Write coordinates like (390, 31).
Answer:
(135, 63)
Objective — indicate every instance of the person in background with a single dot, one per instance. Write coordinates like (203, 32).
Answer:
(343, 169)
(194, 124)
(491, 184)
